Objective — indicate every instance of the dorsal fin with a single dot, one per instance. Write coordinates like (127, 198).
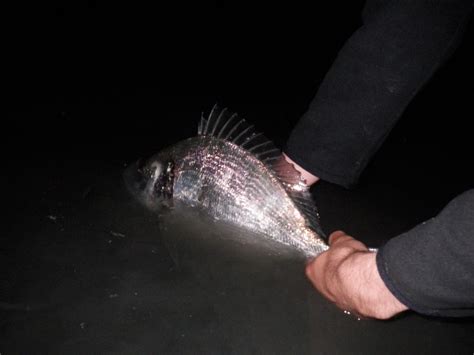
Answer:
(225, 125)
(229, 126)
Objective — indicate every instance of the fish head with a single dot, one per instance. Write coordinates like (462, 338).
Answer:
(151, 181)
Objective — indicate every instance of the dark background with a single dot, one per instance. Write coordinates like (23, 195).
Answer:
(112, 76)
(91, 86)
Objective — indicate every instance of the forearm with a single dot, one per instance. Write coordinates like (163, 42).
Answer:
(373, 79)
(431, 267)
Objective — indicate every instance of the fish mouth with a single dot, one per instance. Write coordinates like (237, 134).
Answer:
(135, 180)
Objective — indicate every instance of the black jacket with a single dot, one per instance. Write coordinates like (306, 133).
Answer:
(374, 77)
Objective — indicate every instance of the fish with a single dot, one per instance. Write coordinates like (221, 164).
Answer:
(233, 173)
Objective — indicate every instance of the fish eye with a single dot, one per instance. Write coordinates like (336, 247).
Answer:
(164, 179)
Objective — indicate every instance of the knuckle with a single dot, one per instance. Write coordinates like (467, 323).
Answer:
(342, 252)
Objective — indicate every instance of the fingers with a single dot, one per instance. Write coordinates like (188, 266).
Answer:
(317, 272)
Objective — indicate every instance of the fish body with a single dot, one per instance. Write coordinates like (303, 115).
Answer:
(236, 176)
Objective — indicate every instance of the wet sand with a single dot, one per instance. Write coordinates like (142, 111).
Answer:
(86, 269)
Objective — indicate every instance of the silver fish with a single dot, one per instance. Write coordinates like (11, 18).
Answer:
(235, 174)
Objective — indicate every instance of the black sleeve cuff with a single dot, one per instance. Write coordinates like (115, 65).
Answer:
(430, 268)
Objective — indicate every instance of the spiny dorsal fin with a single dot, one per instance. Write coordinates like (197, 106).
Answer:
(229, 126)
(225, 125)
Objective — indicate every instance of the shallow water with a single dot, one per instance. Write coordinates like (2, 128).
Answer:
(91, 270)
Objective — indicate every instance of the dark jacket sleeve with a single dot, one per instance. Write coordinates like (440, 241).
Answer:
(375, 75)
(431, 267)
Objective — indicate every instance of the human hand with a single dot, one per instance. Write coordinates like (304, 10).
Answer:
(347, 275)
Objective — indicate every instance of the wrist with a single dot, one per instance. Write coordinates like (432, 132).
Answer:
(308, 178)
(366, 288)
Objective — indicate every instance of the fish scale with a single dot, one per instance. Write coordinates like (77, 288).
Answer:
(232, 182)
